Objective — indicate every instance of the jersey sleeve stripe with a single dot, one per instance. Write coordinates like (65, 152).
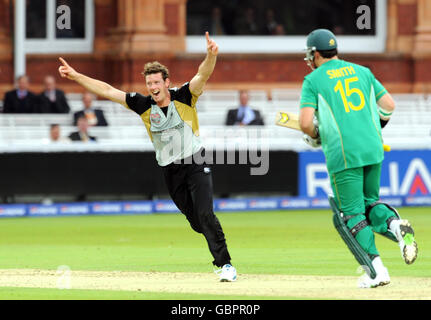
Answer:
(304, 104)
(380, 94)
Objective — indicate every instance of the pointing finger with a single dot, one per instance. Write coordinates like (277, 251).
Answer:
(207, 35)
(63, 62)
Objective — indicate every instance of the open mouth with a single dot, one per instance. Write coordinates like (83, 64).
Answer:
(156, 94)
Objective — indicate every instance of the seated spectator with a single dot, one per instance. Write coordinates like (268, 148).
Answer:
(82, 134)
(20, 100)
(94, 116)
(55, 134)
(52, 100)
(244, 115)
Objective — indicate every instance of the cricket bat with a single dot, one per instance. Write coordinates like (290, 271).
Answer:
(291, 120)
(288, 120)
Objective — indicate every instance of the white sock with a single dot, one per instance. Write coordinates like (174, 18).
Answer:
(378, 264)
(394, 225)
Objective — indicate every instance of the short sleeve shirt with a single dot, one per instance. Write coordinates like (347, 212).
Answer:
(345, 97)
(174, 134)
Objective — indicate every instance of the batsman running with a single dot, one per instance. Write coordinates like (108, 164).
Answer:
(343, 109)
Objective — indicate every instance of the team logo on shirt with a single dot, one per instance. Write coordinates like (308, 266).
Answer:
(155, 118)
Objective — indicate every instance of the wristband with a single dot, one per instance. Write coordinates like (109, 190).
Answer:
(384, 114)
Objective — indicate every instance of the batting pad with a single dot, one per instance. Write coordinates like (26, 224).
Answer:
(378, 205)
(360, 255)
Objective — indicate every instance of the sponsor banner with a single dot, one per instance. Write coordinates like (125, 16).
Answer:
(165, 206)
(405, 173)
(320, 203)
(107, 208)
(418, 201)
(230, 205)
(138, 207)
(263, 204)
(13, 211)
(313, 175)
(74, 209)
(294, 203)
(43, 210)
(395, 202)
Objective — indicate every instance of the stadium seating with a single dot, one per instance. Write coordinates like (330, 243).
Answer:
(409, 128)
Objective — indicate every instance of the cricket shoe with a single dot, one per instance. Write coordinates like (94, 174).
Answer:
(227, 273)
(406, 240)
(382, 279)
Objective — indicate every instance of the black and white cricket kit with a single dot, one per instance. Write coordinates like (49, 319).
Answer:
(174, 132)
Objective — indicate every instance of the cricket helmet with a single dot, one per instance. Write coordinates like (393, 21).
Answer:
(319, 40)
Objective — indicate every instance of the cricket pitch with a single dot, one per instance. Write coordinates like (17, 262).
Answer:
(314, 287)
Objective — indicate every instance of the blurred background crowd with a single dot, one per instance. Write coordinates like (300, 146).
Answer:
(52, 100)
(271, 17)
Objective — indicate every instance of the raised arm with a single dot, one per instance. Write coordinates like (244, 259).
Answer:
(97, 87)
(206, 68)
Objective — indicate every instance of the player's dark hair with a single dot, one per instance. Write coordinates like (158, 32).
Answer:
(156, 67)
(328, 54)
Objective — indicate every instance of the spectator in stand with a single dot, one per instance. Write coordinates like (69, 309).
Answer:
(55, 135)
(244, 115)
(52, 100)
(82, 134)
(216, 23)
(246, 25)
(20, 100)
(94, 116)
(270, 22)
(279, 30)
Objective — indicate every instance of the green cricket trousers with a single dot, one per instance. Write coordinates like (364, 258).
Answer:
(354, 191)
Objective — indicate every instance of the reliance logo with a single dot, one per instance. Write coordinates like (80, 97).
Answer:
(416, 181)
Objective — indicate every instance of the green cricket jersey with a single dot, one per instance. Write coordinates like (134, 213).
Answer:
(345, 97)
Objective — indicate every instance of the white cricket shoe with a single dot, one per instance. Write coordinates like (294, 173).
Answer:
(227, 273)
(382, 278)
(406, 240)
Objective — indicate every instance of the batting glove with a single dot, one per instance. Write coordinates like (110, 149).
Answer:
(315, 143)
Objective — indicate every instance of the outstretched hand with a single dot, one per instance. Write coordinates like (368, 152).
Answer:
(212, 47)
(67, 71)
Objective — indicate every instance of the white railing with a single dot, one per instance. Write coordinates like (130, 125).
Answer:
(410, 126)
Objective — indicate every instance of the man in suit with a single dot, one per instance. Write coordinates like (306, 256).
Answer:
(52, 100)
(20, 100)
(82, 134)
(95, 117)
(244, 115)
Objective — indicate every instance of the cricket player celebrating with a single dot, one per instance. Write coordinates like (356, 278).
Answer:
(171, 120)
(343, 109)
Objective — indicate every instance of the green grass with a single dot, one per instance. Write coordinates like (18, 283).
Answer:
(56, 294)
(277, 242)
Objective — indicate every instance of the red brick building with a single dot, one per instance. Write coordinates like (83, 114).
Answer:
(129, 33)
